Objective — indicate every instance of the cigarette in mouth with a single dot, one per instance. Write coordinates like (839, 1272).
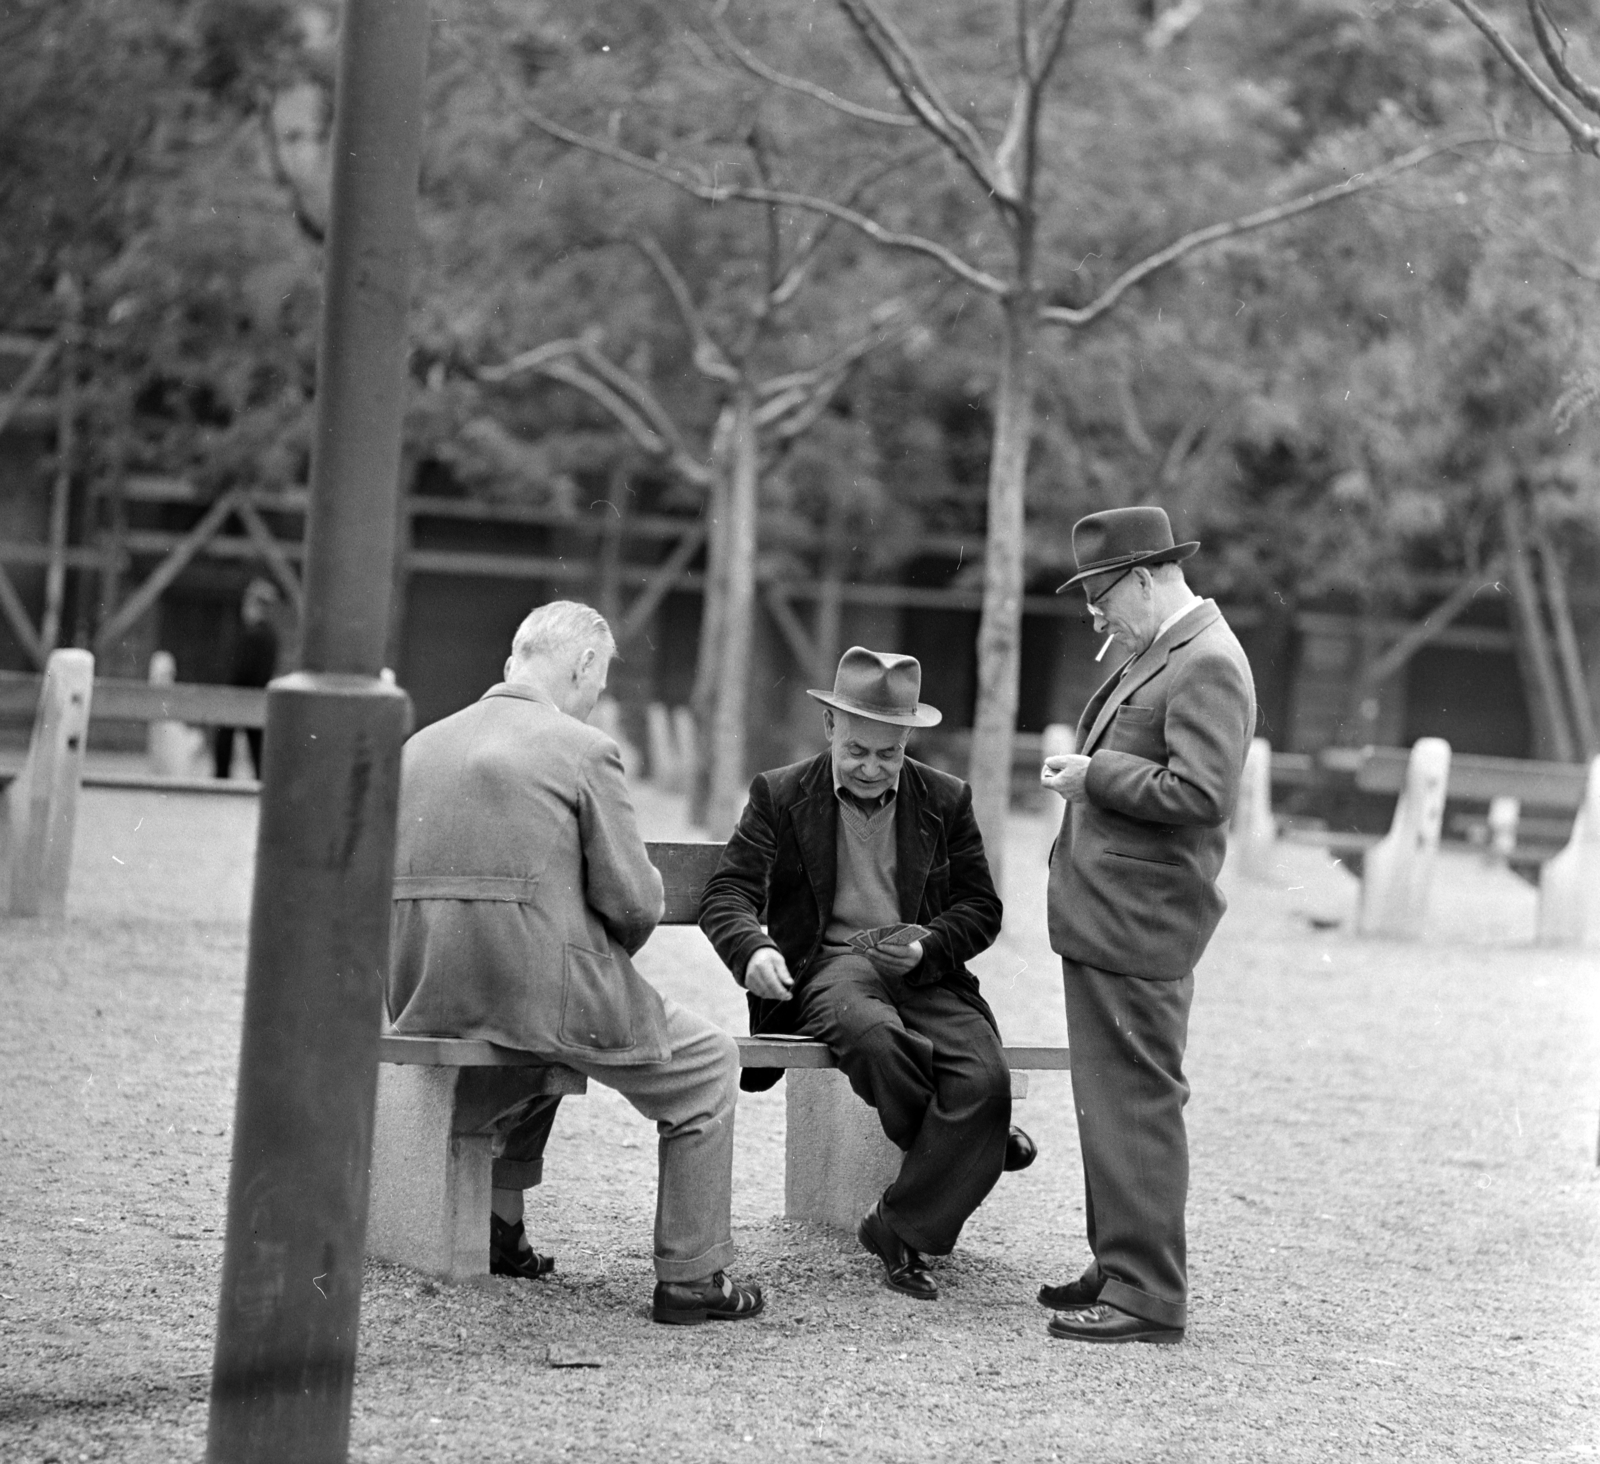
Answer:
(1100, 655)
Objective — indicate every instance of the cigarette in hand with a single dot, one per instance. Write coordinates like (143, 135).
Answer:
(1100, 655)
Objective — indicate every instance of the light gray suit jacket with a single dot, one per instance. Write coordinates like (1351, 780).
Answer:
(1133, 875)
(522, 887)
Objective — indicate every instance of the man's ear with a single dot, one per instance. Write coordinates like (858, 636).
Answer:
(511, 661)
(827, 723)
(583, 662)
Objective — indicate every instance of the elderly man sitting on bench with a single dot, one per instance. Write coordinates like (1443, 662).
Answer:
(522, 889)
(869, 871)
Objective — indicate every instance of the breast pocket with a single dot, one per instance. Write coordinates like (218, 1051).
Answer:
(1137, 730)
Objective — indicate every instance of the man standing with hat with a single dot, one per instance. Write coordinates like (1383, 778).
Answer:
(1133, 901)
(856, 839)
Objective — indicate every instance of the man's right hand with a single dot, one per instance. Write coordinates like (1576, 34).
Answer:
(766, 975)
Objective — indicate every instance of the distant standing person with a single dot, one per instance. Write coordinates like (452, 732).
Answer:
(255, 662)
(1133, 901)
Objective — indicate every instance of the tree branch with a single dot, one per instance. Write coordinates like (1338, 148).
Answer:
(631, 403)
(1264, 218)
(1556, 57)
(693, 182)
(757, 67)
(1584, 137)
(903, 67)
(709, 358)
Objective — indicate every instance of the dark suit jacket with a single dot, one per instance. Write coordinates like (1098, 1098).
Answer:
(781, 864)
(1133, 874)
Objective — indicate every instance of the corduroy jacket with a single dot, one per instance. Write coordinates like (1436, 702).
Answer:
(780, 867)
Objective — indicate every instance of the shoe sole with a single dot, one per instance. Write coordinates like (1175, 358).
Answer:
(1161, 1339)
(695, 1317)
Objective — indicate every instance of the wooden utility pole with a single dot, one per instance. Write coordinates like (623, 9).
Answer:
(285, 1357)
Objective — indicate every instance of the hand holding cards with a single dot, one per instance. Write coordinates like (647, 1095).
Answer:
(887, 935)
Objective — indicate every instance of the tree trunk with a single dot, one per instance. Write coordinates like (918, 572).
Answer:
(1571, 658)
(727, 751)
(713, 600)
(1000, 626)
(1552, 735)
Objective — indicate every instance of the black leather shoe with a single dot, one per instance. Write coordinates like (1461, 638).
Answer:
(903, 1268)
(1103, 1322)
(715, 1299)
(510, 1255)
(1085, 1291)
(1021, 1151)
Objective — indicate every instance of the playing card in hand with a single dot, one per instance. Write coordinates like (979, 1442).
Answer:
(882, 935)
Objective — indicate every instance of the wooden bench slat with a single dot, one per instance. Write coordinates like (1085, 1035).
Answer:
(685, 868)
(758, 1052)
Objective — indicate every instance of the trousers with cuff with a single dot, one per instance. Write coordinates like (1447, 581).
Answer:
(1128, 1036)
(691, 1097)
(932, 1067)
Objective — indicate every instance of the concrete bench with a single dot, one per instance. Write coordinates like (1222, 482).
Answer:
(439, 1096)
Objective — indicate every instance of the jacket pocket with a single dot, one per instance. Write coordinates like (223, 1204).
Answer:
(595, 1009)
(1143, 859)
(1134, 716)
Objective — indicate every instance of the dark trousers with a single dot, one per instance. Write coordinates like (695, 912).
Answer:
(1127, 1037)
(222, 750)
(932, 1067)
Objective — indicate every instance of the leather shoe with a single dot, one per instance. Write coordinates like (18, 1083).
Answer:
(715, 1299)
(1085, 1291)
(1021, 1151)
(510, 1254)
(1103, 1322)
(904, 1269)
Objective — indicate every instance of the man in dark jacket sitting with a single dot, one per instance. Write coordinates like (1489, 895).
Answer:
(856, 839)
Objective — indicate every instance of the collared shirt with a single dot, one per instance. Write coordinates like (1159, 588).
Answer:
(865, 865)
(1175, 617)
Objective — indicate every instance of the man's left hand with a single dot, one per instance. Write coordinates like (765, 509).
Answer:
(1066, 773)
(895, 960)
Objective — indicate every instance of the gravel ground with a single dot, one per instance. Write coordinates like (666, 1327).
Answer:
(1393, 1220)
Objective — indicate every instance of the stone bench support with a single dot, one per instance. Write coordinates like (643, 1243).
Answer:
(438, 1099)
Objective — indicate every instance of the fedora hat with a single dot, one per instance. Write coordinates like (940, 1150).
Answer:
(881, 686)
(1123, 538)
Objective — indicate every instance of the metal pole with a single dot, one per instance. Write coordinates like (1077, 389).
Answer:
(319, 923)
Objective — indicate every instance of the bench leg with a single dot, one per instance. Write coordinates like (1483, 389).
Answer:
(837, 1160)
(430, 1186)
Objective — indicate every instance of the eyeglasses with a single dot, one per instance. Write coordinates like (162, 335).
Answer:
(1094, 601)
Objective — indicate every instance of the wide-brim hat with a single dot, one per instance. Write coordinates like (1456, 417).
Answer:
(1121, 539)
(881, 686)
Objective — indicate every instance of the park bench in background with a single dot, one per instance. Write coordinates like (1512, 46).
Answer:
(437, 1097)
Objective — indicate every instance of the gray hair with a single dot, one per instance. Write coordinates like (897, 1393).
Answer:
(563, 627)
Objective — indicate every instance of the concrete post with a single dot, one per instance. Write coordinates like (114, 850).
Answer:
(1060, 738)
(1569, 883)
(837, 1160)
(1252, 835)
(1399, 868)
(43, 800)
(167, 743)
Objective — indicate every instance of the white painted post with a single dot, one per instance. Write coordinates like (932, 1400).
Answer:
(1505, 812)
(44, 799)
(1252, 835)
(1399, 868)
(664, 770)
(168, 745)
(1060, 738)
(684, 741)
(1569, 883)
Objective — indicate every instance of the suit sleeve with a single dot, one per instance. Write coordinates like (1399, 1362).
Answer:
(621, 885)
(735, 896)
(970, 922)
(1208, 725)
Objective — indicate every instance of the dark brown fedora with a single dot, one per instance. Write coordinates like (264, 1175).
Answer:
(881, 686)
(1123, 538)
